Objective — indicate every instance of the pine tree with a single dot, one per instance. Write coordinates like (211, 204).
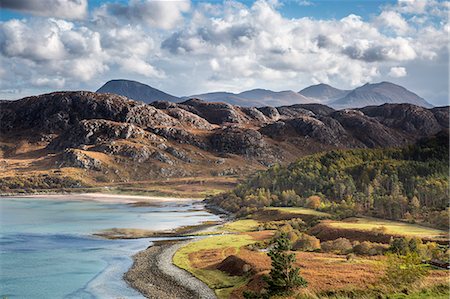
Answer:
(283, 276)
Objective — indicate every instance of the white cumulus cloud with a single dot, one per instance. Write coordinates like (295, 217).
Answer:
(397, 72)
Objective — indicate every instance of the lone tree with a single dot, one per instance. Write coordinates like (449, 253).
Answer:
(283, 276)
(404, 270)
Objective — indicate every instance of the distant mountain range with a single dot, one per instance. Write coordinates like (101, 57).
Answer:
(324, 93)
(366, 95)
(377, 94)
(256, 98)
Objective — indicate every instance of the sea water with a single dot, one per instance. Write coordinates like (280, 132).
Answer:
(47, 249)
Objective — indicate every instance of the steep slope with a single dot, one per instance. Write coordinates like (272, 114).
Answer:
(323, 93)
(378, 94)
(136, 91)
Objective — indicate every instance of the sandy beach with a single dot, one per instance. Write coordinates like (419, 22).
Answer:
(107, 198)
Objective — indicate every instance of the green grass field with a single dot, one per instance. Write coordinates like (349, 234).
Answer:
(300, 211)
(243, 225)
(219, 281)
(391, 227)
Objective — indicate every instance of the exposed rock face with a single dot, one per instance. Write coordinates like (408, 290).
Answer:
(196, 136)
(367, 130)
(407, 117)
(162, 157)
(76, 158)
(317, 109)
(215, 113)
(238, 141)
(442, 115)
(183, 156)
(293, 112)
(324, 130)
(181, 136)
(95, 131)
(254, 114)
(57, 112)
(189, 119)
(135, 152)
(270, 112)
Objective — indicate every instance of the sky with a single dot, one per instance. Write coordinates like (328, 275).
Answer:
(190, 47)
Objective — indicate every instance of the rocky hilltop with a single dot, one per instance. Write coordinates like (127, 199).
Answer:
(95, 137)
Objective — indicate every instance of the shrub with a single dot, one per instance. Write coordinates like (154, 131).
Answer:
(306, 242)
(339, 246)
(350, 257)
(380, 230)
(369, 248)
(289, 198)
(295, 223)
(403, 270)
(313, 202)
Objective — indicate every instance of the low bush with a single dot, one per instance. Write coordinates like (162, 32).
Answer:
(339, 246)
(295, 223)
(369, 248)
(306, 242)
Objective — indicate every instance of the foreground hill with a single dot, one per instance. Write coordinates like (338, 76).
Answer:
(74, 139)
(136, 91)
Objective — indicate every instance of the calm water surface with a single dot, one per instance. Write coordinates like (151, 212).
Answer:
(47, 249)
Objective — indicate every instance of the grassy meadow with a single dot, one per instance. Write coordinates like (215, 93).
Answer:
(197, 258)
(388, 227)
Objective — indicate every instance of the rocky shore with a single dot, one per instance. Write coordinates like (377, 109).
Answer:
(154, 275)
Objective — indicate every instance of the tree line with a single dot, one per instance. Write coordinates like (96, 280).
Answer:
(409, 183)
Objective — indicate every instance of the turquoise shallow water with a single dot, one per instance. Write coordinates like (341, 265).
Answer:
(47, 249)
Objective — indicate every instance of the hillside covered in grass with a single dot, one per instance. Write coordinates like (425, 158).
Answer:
(409, 183)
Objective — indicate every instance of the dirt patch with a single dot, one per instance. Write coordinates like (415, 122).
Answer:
(234, 266)
(261, 235)
(258, 260)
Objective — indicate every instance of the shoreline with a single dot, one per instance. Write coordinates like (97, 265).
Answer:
(104, 197)
(152, 272)
(155, 276)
